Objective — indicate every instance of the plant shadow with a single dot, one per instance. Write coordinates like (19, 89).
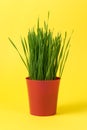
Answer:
(76, 107)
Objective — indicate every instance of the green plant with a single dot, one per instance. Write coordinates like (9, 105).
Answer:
(44, 54)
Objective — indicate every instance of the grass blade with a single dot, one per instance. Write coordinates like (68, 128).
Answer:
(18, 52)
(62, 67)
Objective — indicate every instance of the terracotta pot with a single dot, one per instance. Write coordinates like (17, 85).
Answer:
(43, 96)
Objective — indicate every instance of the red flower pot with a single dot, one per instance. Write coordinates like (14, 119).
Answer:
(43, 96)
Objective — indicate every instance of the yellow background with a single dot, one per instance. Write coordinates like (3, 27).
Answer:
(16, 17)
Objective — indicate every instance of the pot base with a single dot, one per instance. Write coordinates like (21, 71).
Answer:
(43, 95)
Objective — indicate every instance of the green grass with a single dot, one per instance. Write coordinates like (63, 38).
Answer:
(45, 55)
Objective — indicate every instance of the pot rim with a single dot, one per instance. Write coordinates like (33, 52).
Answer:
(57, 78)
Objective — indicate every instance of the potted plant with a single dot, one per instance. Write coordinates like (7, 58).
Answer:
(45, 55)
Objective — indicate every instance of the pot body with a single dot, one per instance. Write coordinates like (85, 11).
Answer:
(43, 95)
